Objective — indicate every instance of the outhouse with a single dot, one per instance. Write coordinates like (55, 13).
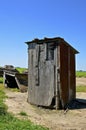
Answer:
(51, 77)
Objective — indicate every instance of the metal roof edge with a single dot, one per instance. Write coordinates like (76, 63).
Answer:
(71, 47)
(46, 40)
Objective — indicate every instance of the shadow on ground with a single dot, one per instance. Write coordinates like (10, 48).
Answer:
(76, 104)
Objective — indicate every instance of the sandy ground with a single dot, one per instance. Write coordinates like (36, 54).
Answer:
(80, 81)
(74, 119)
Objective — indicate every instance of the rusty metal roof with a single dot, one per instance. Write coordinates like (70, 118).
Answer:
(57, 40)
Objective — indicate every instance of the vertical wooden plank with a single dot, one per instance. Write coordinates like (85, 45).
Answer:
(56, 80)
(69, 73)
(37, 59)
(57, 77)
(31, 74)
(72, 90)
(64, 90)
(4, 79)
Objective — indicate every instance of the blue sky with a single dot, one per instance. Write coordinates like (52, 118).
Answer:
(24, 20)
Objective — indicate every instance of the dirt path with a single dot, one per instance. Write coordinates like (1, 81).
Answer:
(80, 81)
(55, 120)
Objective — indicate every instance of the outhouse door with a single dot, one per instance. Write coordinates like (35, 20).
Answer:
(41, 77)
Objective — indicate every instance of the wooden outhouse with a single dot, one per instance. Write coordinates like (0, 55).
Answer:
(51, 77)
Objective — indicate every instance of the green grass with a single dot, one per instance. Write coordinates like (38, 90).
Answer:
(22, 113)
(14, 89)
(81, 74)
(21, 70)
(9, 122)
(1, 79)
(81, 89)
(3, 107)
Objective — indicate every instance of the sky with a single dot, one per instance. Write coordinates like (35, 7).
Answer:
(24, 20)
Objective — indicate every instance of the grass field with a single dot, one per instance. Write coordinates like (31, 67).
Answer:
(21, 70)
(78, 73)
(9, 122)
(81, 74)
(81, 89)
